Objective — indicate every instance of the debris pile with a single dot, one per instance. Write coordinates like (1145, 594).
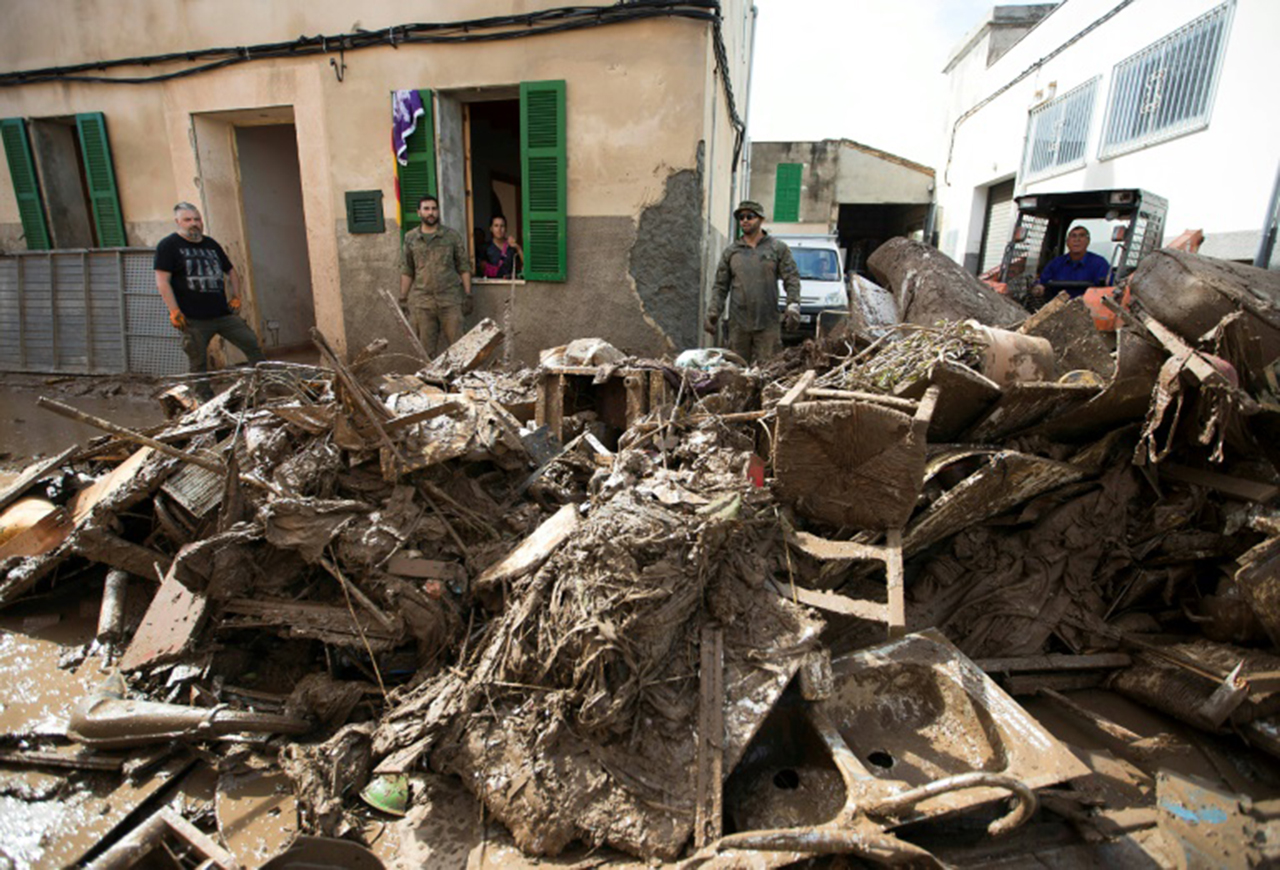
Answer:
(642, 607)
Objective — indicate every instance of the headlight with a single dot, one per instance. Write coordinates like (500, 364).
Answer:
(836, 299)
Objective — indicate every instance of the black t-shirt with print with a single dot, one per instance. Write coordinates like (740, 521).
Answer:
(198, 271)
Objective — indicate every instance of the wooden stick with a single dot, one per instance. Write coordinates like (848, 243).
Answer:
(357, 392)
(107, 426)
(404, 322)
(891, 401)
(359, 596)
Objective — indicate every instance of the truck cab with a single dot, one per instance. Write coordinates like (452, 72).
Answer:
(822, 282)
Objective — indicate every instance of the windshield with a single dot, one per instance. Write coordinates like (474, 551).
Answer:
(817, 264)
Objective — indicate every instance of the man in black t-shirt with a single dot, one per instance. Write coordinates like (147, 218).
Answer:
(202, 290)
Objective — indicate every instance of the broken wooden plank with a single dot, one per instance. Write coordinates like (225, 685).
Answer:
(1056, 662)
(709, 812)
(331, 623)
(99, 545)
(102, 489)
(1250, 490)
(471, 351)
(901, 404)
(531, 552)
(42, 536)
(1022, 405)
(833, 602)
(1007, 480)
(32, 473)
(797, 391)
(397, 423)
(170, 626)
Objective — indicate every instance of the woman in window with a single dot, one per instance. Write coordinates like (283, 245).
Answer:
(499, 260)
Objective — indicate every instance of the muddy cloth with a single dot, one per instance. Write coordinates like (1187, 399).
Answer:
(1002, 594)
(752, 274)
(435, 263)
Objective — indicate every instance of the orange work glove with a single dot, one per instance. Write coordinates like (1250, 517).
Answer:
(234, 304)
(178, 321)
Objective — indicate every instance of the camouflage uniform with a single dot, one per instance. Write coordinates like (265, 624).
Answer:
(435, 262)
(752, 274)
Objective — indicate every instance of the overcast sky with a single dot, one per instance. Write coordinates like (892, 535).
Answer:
(852, 69)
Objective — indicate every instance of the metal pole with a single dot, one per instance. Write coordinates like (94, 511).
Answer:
(1268, 241)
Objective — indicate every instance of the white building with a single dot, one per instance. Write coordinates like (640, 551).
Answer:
(1166, 95)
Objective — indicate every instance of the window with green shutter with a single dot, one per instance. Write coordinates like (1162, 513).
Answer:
(100, 178)
(786, 192)
(543, 179)
(26, 186)
(418, 178)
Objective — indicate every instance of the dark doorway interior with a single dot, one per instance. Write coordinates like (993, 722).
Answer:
(275, 232)
(495, 167)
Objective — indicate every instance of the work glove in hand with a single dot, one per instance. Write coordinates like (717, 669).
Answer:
(468, 305)
(710, 324)
(791, 317)
(178, 320)
(234, 304)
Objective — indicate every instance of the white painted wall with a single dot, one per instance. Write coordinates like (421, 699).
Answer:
(1217, 179)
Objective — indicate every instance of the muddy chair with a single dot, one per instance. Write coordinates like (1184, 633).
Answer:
(854, 461)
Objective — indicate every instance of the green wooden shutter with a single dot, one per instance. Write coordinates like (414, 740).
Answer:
(26, 186)
(543, 165)
(418, 178)
(104, 198)
(786, 193)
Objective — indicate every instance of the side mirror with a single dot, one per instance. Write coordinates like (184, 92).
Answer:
(1118, 234)
(1020, 233)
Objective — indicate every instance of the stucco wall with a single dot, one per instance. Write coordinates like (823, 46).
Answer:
(644, 107)
(1217, 179)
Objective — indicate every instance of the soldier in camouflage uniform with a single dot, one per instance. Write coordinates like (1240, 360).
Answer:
(751, 267)
(435, 278)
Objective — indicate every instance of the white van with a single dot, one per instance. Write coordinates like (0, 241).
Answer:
(822, 283)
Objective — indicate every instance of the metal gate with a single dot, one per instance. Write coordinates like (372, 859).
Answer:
(85, 312)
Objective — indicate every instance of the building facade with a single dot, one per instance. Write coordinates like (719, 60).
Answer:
(1097, 94)
(609, 139)
(861, 195)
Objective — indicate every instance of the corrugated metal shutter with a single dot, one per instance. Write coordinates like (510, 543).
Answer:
(93, 312)
(543, 161)
(997, 225)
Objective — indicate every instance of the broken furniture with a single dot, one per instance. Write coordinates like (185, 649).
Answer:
(618, 397)
(854, 463)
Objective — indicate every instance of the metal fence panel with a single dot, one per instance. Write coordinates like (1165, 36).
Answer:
(85, 312)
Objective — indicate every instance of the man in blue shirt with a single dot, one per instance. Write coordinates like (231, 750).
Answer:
(1077, 264)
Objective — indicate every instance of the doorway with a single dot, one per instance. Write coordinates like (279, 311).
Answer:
(275, 234)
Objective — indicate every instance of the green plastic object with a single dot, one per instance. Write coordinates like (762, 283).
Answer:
(389, 794)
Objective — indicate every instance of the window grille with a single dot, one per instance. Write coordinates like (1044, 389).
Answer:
(1059, 132)
(1166, 90)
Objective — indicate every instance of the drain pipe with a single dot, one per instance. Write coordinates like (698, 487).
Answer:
(1268, 241)
(746, 119)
